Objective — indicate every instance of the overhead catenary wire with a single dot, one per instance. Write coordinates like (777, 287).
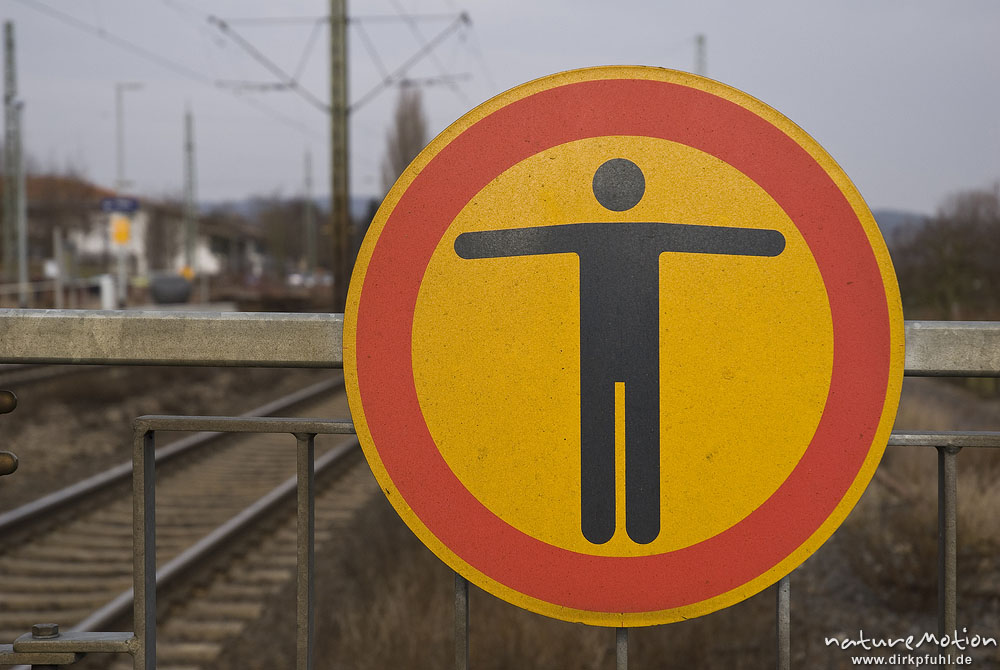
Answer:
(366, 40)
(475, 48)
(298, 20)
(210, 40)
(393, 18)
(447, 79)
(98, 14)
(290, 82)
(415, 29)
(166, 63)
(246, 88)
(241, 85)
(307, 50)
(268, 64)
(120, 42)
(397, 74)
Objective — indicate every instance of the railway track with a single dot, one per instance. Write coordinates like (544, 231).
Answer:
(21, 374)
(68, 558)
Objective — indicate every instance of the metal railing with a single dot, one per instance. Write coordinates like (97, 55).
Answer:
(143, 646)
(72, 293)
(933, 348)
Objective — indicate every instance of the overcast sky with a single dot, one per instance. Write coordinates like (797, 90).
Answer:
(904, 94)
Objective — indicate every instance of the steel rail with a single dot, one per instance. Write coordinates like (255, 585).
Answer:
(121, 473)
(141, 598)
(26, 373)
(144, 575)
(121, 605)
(80, 638)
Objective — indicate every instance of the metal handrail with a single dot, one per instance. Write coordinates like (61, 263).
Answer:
(933, 348)
(269, 339)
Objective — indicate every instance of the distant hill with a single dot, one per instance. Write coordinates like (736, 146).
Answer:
(888, 220)
(892, 220)
(359, 206)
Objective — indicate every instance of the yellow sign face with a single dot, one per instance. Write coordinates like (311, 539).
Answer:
(623, 346)
(521, 373)
(120, 228)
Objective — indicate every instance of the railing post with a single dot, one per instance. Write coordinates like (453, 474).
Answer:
(144, 558)
(305, 545)
(947, 542)
(621, 648)
(784, 623)
(461, 622)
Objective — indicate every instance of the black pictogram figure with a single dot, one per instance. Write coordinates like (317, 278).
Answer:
(619, 334)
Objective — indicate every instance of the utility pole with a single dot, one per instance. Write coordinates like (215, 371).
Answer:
(9, 148)
(309, 219)
(700, 56)
(339, 208)
(22, 208)
(190, 207)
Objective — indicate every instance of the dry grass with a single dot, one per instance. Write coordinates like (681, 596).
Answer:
(878, 573)
(391, 606)
(387, 602)
(893, 534)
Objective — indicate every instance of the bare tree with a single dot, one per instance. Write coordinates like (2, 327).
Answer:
(947, 267)
(407, 136)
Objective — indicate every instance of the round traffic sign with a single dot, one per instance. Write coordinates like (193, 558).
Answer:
(623, 346)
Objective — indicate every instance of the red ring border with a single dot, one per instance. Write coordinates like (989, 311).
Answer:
(609, 107)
